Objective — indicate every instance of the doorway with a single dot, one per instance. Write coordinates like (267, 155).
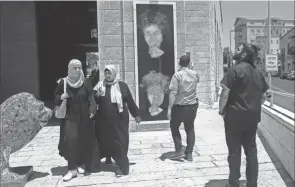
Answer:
(61, 29)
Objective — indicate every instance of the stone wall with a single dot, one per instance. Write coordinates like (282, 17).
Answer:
(279, 133)
(195, 34)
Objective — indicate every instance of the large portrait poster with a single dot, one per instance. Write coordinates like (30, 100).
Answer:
(155, 58)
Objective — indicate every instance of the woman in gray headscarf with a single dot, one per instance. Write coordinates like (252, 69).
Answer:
(112, 122)
(77, 133)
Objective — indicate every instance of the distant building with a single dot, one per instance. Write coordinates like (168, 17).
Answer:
(255, 31)
(247, 29)
(261, 43)
(287, 51)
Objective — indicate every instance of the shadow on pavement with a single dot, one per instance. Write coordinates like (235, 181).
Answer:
(37, 175)
(53, 121)
(60, 170)
(167, 155)
(222, 183)
(289, 182)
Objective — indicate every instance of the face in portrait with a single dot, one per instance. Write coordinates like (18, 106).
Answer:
(155, 58)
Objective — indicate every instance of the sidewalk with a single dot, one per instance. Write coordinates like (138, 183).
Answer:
(209, 168)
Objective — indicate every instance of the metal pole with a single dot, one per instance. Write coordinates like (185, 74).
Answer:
(229, 62)
(230, 51)
(269, 51)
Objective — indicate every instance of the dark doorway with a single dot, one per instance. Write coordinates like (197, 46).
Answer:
(61, 29)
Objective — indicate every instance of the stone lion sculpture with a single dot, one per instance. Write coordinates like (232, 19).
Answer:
(22, 117)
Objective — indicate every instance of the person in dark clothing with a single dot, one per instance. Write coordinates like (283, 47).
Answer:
(112, 123)
(94, 74)
(243, 92)
(77, 129)
(94, 79)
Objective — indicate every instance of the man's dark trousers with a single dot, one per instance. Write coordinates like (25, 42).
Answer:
(236, 138)
(187, 115)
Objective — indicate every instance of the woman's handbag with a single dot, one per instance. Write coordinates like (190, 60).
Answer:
(60, 111)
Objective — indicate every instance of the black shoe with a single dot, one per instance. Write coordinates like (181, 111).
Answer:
(109, 161)
(119, 173)
(177, 155)
(189, 157)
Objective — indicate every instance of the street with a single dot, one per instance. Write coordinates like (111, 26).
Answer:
(284, 86)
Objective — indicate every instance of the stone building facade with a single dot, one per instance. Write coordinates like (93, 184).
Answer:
(287, 51)
(37, 40)
(198, 33)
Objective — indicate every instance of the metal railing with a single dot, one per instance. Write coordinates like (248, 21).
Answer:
(281, 108)
(282, 94)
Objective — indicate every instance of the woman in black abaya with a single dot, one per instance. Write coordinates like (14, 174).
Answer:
(77, 133)
(112, 123)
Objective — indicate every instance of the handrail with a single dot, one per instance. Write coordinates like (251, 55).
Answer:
(280, 110)
(283, 94)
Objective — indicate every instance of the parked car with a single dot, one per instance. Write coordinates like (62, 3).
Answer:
(291, 75)
(275, 74)
(284, 75)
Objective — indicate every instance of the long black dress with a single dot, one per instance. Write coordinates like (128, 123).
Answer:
(77, 133)
(112, 127)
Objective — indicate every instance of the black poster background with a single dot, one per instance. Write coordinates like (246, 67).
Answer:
(163, 64)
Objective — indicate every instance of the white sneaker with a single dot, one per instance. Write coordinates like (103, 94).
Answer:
(70, 175)
(80, 170)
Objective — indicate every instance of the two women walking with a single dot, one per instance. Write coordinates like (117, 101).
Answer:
(109, 101)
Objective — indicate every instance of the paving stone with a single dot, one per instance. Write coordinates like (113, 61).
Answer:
(134, 152)
(195, 166)
(146, 169)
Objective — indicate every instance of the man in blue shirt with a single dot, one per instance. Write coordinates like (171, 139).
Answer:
(243, 92)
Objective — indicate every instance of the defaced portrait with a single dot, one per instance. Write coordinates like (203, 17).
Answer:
(155, 58)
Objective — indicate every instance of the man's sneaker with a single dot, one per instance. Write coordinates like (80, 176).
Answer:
(189, 157)
(177, 155)
(70, 175)
(109, 161)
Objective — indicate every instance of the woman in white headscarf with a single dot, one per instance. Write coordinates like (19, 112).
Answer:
(112, 122)
(77, 133)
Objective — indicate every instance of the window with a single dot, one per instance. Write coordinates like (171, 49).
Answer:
(258, 31)
(263, 22)
(93, 33)
(252, 41)
(271, 51)
(271, 41)
(252, 31)
(277, 41)
(277, 32)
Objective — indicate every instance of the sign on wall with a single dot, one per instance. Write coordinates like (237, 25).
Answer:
(271, 63)
(155, 57)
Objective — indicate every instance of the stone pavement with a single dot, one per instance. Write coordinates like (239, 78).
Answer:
(147, 170)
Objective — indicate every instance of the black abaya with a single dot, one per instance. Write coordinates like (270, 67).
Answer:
(77, 134)
(112, 127)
